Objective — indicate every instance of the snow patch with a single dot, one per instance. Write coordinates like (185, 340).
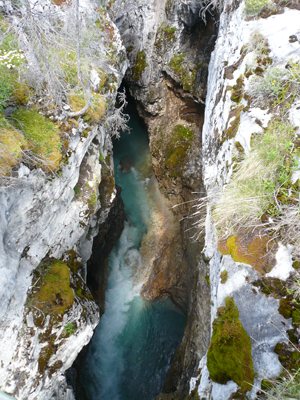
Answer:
(283, 266)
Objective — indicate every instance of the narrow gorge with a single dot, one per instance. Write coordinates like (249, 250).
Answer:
(149, 250)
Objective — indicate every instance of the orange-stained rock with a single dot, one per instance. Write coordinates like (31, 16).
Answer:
(250, 247)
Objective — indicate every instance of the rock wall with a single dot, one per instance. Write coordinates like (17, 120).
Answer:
(47, 226)
(230, 277)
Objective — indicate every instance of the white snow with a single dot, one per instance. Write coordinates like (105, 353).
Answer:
(283, 266)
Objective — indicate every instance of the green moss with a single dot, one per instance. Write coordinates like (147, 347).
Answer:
(92, 200)
(288, 356)
(43, 134)
(187, 78)
(69, 329)
(12, 89)
(229, 354)
(52, 294)
(12, 144)
(176, 64)
(207, 279)
(224, 276)
(176, 150)
(168, 6)
(296, 317)
(271, 286)
(164, 34)
(45, 355)
(129, 49)
(234, 117)
(284, 308)
(96, 111)
(140, 65)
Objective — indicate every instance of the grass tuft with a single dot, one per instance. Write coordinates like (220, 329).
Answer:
(260, 184)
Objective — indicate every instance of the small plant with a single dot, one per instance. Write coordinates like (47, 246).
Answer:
(286, 387)
(270, 85)
(93, 199)
(76, 191)
(101, 157)
(280, 85)
(69, 329)
(254, 7)
(224, 276)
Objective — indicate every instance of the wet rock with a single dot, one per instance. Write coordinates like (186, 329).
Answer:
(126, 164)
(97, 266)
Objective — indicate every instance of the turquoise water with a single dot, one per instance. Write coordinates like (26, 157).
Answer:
(135, 340)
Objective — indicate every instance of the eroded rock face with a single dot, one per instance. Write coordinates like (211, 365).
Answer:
(42, 218)
(238, 272)
(108, 235)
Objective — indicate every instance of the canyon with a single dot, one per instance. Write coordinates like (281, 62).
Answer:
(190, 68)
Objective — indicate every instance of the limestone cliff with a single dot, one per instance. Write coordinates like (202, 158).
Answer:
(236, 117)
(51, 211)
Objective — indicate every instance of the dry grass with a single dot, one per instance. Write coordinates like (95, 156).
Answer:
(254, 187)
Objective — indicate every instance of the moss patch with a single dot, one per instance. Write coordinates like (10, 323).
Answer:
(237, 91)
(249, 247)
(176, 150)
(271, 287)
(176, 64)
(229, 354)
(234, 118)
(12, 144)
(140, 65)
(224, 277)
(288, 356)
(44, 136)
(165, 34)
(52, 294)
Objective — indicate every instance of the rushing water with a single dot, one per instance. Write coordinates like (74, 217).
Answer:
(135, 341)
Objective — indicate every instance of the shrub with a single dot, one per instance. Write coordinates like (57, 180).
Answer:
(280, 85)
